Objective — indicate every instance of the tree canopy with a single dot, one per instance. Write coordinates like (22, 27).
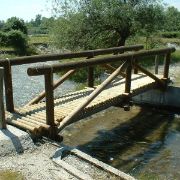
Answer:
(89, 24)
(15, 23)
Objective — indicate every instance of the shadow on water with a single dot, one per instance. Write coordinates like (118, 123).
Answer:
(132, 144)
(123, 137)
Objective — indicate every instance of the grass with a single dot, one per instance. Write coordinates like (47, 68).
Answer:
(176, 56)
(11, 175)
(39, 39)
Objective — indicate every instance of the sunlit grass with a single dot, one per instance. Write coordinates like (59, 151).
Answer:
(44, 39)
(11, 175)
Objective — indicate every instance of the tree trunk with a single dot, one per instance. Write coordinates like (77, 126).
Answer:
(121, 41)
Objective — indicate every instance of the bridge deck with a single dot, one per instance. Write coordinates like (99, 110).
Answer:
(33, 118)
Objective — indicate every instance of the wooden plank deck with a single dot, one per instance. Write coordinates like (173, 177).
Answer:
(33, 117)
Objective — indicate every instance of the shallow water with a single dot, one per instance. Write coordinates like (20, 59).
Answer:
(143, 142)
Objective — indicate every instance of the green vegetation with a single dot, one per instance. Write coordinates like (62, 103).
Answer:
(39, 39)
(14, 34)
(10, 175)
(92, 24)
(176, 56)
(39, 25)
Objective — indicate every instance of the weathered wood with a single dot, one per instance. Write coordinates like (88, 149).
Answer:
(8, 86)
(166, 65)
(55, 57)
(93, 95)
(2, 112)
(49, 99)
(40, 70)
(90, 77)
(135, 69)
(159, 81)
(128, 77)
(55, 85)
(23, 126)
(156, 64)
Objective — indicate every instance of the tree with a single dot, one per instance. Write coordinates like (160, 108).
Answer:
(89, 24)
(18, 40)
(150, 19)
(172, 19)
(15, 23)
(1, 24)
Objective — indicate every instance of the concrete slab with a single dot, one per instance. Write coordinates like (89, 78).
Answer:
(168, 99)
(82, 166)
(13, 140)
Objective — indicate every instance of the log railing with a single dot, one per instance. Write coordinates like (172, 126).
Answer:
(129, 60)
(8, 63)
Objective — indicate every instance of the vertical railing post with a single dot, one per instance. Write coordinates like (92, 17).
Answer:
(166, 65)
(8, 86)
(128, 77)
(49, 99)
(2, 112)
(90, 76)
(156, 64)
(136, 62)
(135, 69)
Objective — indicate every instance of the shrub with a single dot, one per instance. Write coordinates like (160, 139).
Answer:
(170, 34)
(18, 40)
(3, 39)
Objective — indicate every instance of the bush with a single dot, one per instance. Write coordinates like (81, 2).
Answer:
(3, 39)
(170, 34)
(17, 40)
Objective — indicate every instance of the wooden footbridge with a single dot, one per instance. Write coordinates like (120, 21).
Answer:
(126, 78)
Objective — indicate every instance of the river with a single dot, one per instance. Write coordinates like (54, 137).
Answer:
(142, 142)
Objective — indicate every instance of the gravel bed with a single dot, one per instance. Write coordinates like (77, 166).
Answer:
(35, 164)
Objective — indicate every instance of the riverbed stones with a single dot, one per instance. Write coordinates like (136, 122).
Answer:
(13, 140)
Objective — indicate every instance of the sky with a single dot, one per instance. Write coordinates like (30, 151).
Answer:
(28, 9)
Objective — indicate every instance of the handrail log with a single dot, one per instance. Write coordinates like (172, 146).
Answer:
(55, 85)
(90, 98)
(40, 70)
(55, 57)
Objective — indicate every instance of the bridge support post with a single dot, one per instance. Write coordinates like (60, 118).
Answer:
(135, 69)
(50, 120)
(156, 64)
(49, 101)
(128, 78)
(2, 112)
(166, 65)
(90, 77)
(8, 86)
